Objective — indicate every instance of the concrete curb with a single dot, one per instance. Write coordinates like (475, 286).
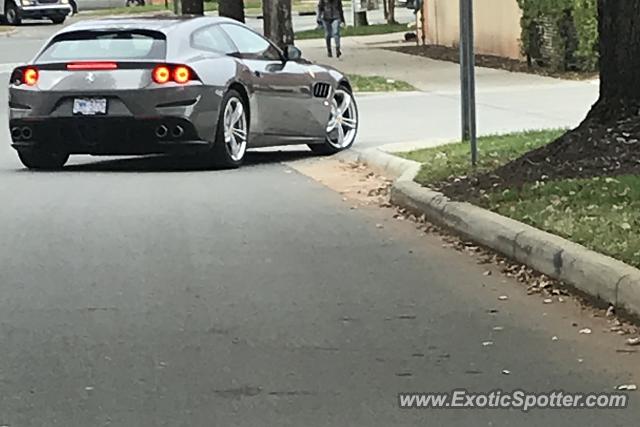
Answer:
(592, 273)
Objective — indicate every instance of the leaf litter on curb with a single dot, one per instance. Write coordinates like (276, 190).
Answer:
(536, 283)
(633, 341)
(627, 387)
(378, 193)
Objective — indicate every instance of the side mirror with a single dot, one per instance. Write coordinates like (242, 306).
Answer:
(292, 53)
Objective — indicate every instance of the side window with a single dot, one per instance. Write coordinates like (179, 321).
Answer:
(251, 45)
(212, 38)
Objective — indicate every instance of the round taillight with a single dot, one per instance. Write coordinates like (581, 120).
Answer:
(161, 74)
(30, 76)
(181, 74)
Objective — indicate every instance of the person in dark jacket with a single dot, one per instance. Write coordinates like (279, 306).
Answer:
(331, 16)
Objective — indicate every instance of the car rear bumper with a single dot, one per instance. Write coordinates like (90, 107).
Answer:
(107, 135)
(129, 127)
(38, 12)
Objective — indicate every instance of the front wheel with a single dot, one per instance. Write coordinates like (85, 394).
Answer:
(232, 134)
(342, 126)
(58, 19)
(40, 159)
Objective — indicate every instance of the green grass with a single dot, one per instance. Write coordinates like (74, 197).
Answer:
(602, 214)
(377, 84)
(365, 30)
(454, 160)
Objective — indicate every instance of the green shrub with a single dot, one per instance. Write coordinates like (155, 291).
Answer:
(561, 34)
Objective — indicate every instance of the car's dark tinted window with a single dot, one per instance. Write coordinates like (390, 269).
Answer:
(212, 38)
(251, 45)
(94, 45)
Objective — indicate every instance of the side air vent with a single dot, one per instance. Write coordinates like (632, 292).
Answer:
(321, 90)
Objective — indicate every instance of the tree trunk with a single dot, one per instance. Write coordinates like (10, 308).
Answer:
(605, 143)
(391, 12)
(233, 9)
(277, 22)
(385, 5)
(619, 52)
(192, 7)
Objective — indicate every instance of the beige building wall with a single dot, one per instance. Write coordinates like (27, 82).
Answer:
(496, 22)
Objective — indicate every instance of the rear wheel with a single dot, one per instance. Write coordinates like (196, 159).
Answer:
(12, 14)
(40, 159)
(232, 135)
(342, 127)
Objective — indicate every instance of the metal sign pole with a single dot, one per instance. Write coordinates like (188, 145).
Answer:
(467, 78)
(464, 83)
(471, 66)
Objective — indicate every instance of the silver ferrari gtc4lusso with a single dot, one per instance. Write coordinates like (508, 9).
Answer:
(205, 86)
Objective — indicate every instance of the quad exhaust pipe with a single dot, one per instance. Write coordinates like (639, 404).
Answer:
(162, 131)
(25, 133)
(178, 131)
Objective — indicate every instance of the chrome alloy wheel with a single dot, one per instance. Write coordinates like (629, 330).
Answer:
(235, 128)
(343, 120)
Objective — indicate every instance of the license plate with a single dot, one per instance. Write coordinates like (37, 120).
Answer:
(89, 106)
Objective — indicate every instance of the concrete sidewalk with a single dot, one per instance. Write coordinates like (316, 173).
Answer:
(365, 55)
(506, 101)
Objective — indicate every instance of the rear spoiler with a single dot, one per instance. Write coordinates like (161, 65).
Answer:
(93, 33)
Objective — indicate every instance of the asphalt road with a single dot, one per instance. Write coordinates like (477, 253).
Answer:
(138, 293)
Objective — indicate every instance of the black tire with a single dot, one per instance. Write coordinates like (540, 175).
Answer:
(219, 155)
(12, 14)
(326, 148)
(74, 7)
(323, 149)
(58, 19)
(44, 160)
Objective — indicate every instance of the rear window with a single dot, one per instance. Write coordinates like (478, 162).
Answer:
(105, 45)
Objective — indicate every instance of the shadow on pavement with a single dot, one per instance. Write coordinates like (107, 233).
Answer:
(181, 164)
(30, 23)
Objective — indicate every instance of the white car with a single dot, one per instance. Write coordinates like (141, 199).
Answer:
(14, 11)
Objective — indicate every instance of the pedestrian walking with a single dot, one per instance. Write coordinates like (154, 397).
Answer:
(331, 16)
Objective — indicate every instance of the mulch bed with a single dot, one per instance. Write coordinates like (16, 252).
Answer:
(605, 144)
(445, 53)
